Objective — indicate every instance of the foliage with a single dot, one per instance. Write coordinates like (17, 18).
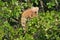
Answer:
(44, 27)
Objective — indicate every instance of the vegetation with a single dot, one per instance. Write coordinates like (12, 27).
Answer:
(45, 27)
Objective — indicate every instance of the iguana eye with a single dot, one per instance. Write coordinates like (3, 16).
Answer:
(35, 12)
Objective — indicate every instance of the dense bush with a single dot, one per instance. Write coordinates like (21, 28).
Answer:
(44, 27)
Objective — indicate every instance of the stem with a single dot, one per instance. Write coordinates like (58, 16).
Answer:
(41, 3)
